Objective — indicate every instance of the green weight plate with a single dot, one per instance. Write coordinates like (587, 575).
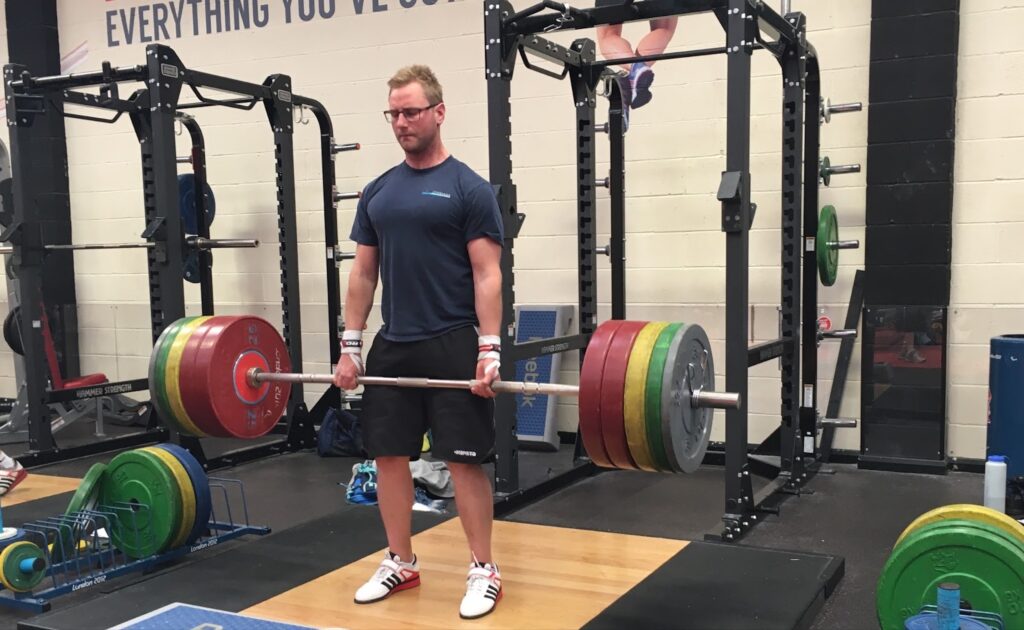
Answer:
(141, 491)
(158, 383)
(22, 566)
(153, 382)
(85, 498)
(985, 561)
(828, 257)
(652, 400)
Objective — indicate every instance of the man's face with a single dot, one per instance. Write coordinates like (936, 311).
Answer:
(417, 132)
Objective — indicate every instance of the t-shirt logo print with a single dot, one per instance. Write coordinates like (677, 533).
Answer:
(437, 193)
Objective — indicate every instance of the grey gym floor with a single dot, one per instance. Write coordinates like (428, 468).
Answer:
(854, 514)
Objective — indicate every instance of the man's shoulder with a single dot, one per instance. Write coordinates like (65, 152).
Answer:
(380, 181)
(467, 175)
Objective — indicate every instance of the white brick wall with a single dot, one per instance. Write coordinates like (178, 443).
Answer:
(987, 260)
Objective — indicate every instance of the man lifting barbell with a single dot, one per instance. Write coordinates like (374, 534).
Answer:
(431, 229)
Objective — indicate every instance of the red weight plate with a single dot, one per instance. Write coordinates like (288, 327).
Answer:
(237, 406)
(193, 376)
(613, 387)
(590, 392)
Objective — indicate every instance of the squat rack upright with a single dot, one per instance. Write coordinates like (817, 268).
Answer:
(749, 25)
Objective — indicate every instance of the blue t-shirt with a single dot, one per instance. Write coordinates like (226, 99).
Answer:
(421, 221)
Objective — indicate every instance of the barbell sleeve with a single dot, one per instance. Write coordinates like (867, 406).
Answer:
(840, 334)
(340, 255)
(844, 244)
(221, 243)
(716, 400)
(342, 196)
(845, 108)
(339, 148)
(843, 169)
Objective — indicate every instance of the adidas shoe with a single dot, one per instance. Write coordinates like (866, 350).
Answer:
(641, 76)
(483, 591)
(11, 478)
(392, 576)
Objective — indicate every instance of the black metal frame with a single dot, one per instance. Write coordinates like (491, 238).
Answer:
(153, 111)
(749, 25)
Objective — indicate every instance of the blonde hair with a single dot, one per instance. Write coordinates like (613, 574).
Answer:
(424, 76)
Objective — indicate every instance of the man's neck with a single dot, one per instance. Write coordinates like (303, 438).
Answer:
(431, 157)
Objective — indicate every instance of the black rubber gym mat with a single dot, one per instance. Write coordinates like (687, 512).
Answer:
(240, 577)
(712, 586)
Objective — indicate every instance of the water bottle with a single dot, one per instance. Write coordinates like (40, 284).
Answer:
(995, 483)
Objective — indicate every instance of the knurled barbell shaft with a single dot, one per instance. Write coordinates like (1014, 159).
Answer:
(844, 244)
(716, 400)
(87, 246)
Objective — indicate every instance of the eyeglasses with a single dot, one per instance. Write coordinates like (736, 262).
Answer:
(410, 113)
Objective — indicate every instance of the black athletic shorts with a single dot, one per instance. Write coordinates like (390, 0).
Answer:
(394, 419)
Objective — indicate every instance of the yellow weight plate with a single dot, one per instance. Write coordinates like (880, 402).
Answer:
(187, 492)
(174, 373)
(968, 512)
(633, 401)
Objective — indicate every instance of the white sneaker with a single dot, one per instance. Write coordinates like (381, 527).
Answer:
(483, 591)
(392, 576)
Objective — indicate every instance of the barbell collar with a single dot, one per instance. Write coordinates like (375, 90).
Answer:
(341, 148)
(221, 243)
(844, 244)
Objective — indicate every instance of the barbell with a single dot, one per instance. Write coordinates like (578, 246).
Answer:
(198, 242)
(646, 392)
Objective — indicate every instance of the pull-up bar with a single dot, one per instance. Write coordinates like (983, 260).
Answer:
(700, 52)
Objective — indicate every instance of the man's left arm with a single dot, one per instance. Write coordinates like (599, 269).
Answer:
(485, 257)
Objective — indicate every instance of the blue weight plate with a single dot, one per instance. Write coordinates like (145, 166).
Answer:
(190, 266)
(200, 483)
(187, 203)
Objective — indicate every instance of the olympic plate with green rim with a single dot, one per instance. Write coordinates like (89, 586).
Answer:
(985, 561)
(652, 400)
(22, 566)
(143, 494)
(828, 257)
(188, 495)
(85, 498)
(158, 378)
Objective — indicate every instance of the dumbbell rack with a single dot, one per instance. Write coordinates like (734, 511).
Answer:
(100, 561)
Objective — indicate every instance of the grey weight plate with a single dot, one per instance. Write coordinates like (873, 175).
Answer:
(688, 430)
